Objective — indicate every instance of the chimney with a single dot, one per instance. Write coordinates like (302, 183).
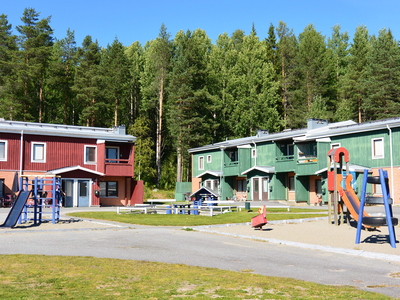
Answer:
(316, 123)
(120, 130)
(262, 133)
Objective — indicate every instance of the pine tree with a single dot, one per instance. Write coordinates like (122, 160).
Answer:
(35, 42)
(157, 61)
(8, 50)
(255, 90)
(271, 44)
(339, 46)
(286, 52)
(189, 98)
(92, 110)
(61, 71)
(222, 60)
(314, 69)
(382, 77)
(134, 53)
(354, 89)
(144, 149)
(116, 78)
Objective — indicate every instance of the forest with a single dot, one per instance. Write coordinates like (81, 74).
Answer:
(184, 91)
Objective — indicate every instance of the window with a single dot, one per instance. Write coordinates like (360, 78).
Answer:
(290, 150)
(3, 150)
(112, 153)
(38, 152)
(209, 158)
(335, 145)
(90, 154)
(211, 184)
(318, 187)
(377, 148)
(201, 162)
(241, 185)
(291, 183)
(233, 155)
(253, 153)
(109, 189)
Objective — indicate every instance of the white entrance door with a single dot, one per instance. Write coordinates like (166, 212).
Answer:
(260, 188)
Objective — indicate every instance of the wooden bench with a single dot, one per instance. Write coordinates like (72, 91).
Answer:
(145, 208)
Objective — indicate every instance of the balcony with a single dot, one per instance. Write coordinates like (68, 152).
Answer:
(118, 167)
(285, 163)
(231, 168)
(307, 165)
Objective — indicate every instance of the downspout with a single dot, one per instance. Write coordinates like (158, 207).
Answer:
(21, 153)
(255, 157)
(255, 165)
(222, 171)
(391, 163)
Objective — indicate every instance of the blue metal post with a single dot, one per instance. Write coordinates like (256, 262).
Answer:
(362, 204)
(388, 211)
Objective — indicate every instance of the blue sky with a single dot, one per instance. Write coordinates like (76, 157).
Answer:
(140, 20)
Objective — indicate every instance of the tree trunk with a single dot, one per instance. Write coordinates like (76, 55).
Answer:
(116, 113)
(41, 100)
(159, 129)
(179, 165)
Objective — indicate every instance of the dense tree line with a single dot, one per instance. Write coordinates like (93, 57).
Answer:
(175, 93)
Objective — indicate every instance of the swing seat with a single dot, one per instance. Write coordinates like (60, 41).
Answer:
(378, 221)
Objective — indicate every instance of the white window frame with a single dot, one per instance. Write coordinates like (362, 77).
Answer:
(95, 155)
(33, 152)
(5, 150)
(335, 145)
(201, 163)
(375, 155)
(209, 159)
(254, 153)
(213, 184)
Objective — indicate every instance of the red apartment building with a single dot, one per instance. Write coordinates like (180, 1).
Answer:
(96, 165)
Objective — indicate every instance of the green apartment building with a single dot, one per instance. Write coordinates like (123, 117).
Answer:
(291, 166)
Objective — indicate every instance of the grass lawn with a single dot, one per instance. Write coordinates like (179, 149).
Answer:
(59, 277)
(197, 220)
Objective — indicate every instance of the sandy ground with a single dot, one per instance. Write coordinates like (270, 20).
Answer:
(315, 232)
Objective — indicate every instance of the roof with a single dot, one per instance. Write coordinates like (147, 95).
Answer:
(205, 191)
(260, 168)
(70, 169)
(212, 173)
(352, 167)
(353, 128)
(116, 134)
(284, 135)
(320, 134)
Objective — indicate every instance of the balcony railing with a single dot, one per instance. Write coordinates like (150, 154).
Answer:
(285, 158)
(116, 161)
(118, 167)
(231, 164)
(307, 159)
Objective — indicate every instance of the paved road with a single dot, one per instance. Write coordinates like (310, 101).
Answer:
(173, 245)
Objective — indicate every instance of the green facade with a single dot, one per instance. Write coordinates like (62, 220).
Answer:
(297, 159)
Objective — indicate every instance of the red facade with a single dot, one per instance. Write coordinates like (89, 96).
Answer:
(96, 170)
